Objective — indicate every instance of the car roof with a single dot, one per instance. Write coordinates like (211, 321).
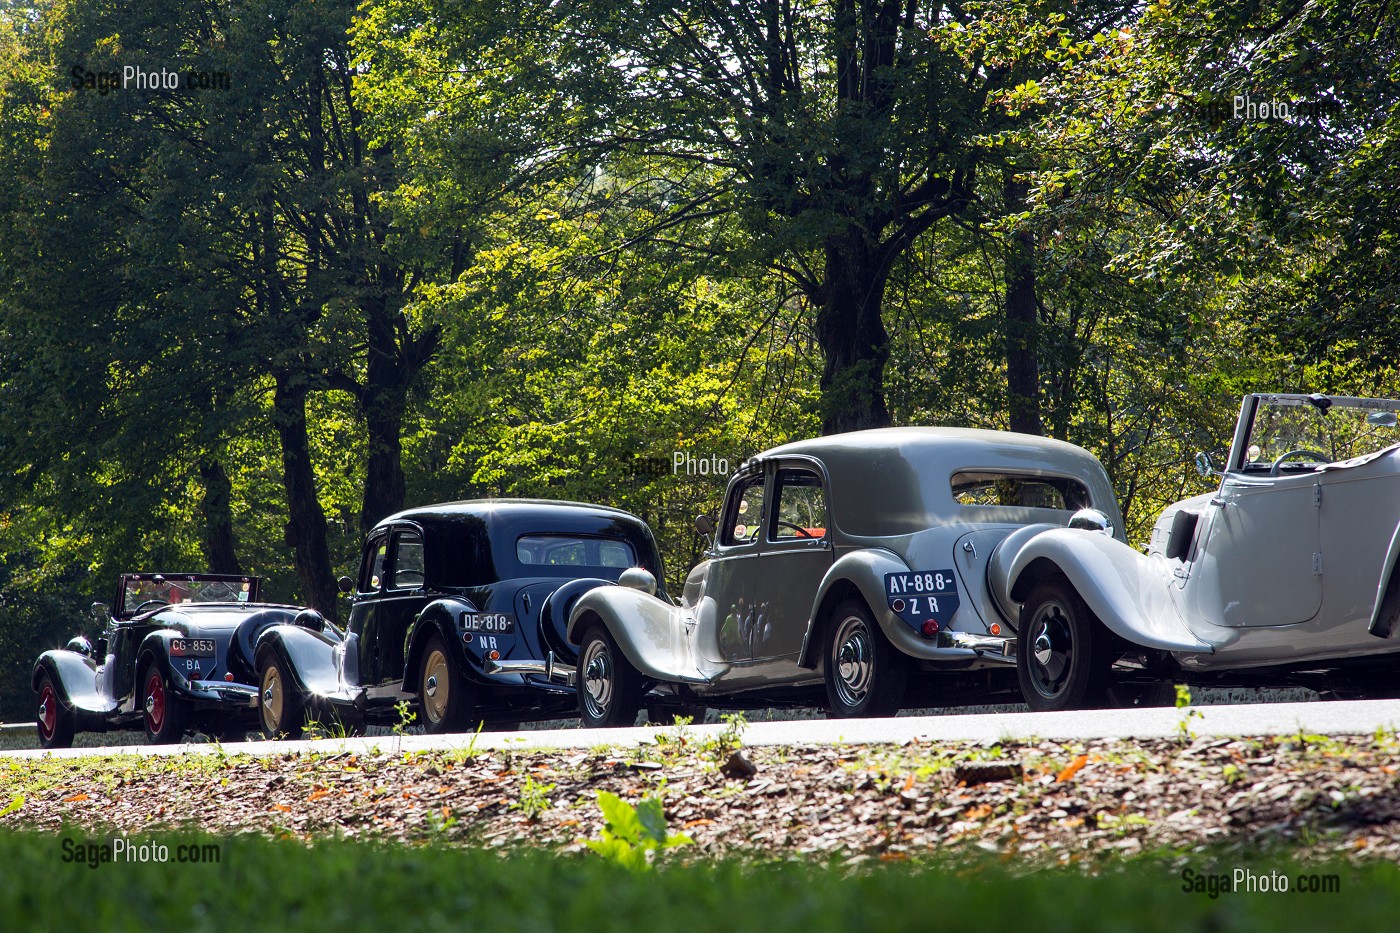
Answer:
(953, 447)
(504, 509)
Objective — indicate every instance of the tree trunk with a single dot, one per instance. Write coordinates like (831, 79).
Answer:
(383, 401)
(1022, 326)
(852, 336)
(219, 546)
(306, 524)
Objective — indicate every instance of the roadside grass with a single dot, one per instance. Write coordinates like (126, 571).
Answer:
(259, 882)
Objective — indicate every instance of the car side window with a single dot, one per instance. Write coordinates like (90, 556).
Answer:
(799, 507)
(408, 560)
(375, 565)
(743, 513)
(995, 488)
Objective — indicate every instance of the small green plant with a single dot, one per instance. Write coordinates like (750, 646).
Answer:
(14, 805)
(730, 739)
(329, 728)
(407, 717)
(1183, 702)
(534, 798)
(631, 835)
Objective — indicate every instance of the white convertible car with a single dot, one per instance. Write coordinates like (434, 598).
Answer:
(1285, 575)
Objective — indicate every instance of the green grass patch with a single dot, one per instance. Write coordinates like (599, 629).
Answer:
(257, 882)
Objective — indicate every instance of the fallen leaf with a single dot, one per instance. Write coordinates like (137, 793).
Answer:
(318, 794)
(1073, 768)
(701, 822)
(76, 798)
(281, 808)
(909, 783)
(979, 812)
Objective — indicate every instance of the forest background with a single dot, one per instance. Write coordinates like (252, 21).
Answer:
(272, 270)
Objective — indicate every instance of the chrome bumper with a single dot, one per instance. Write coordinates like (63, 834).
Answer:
(224, 692)
(549, 667)
(991, 647)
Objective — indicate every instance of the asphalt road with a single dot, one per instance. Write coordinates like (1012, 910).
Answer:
(1357, 717)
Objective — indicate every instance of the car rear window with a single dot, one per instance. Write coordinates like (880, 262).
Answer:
(1019, 490)
(574, 551)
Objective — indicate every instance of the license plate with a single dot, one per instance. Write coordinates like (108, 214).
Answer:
(919, 597)
(495, 623)
(192, 647)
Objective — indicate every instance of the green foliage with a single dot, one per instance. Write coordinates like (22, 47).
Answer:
(356, 885)
(631, 835)
(534, 797)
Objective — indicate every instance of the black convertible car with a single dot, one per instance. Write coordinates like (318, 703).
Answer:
(175, 656)
(460, 610)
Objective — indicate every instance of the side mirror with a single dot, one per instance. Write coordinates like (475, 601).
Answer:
(705, 525)
(345, 584)
(99, 612)
(1205, 466)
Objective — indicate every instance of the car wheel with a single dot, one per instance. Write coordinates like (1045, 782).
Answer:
(609, 687)
(865, 674)
(164, 712)
(445, 700)
(1061, 662)
(281, 706)
(55, 722)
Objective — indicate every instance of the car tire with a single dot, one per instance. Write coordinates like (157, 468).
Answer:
(445, 696)
(281, 706)
(1062, 659)
(55, 722)
(163, 712)
(865, 674)
(609, 687)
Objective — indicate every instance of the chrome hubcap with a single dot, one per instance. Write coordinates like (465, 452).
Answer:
(597, 679)
(1052, 649)
(855, 661)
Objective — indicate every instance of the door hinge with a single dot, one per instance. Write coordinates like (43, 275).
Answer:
(1317, 563)
(1317, 495)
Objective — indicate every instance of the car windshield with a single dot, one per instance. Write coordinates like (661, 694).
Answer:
(1300, 431)
(142, 592)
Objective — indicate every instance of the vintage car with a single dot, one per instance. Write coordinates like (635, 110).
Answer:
(175, 656)
(1285, 575)
(849, 571)
(458, 610)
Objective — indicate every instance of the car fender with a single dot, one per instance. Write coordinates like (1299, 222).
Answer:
(649, 631)
(439, 617)
(307, 656)
(156, 645)
(74, 677)
(1386, 608)
(860, 572)
(1128, 591)
(554, 616)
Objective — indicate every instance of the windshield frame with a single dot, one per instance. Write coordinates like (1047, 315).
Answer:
(234, 589)
(1240, 462)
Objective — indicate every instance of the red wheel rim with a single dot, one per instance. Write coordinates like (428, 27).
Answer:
(48, 711)
(155, 702)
